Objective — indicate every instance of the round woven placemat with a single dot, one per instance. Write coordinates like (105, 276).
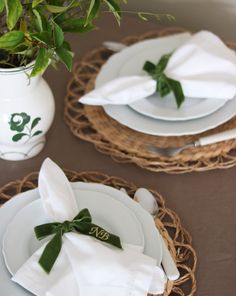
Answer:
(91, 123)
(176, 237)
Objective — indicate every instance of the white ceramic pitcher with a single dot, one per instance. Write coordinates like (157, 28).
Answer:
(26, 112)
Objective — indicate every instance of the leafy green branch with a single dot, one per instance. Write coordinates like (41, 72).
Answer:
(35, 30)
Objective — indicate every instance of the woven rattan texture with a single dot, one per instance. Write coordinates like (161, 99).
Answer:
(90, 123)
(177, 238)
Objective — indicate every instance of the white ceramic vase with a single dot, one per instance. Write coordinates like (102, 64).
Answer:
(26, 112)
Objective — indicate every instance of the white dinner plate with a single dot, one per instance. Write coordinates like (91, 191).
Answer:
(10, 209)
(141, 123)
(166, 108)
(106, 212)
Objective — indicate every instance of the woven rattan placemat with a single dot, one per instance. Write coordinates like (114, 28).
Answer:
(176, 237)
(126, 145)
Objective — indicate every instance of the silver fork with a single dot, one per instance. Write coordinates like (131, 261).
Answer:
(170, 152)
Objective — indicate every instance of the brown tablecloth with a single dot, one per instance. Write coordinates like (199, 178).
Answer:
(205, 202)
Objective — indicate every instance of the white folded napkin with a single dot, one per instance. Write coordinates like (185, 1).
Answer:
(121, 91)
(85, 266)
(204, 65)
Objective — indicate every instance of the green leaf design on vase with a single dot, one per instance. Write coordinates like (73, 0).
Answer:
(20, 122)
(35, 122)
(18, 137)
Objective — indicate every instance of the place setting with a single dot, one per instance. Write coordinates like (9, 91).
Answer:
(97, 235)
(164, 100)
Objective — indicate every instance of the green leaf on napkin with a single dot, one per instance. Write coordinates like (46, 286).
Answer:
(165, 85)
(177, 90)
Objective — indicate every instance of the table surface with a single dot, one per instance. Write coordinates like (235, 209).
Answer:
(205, 202)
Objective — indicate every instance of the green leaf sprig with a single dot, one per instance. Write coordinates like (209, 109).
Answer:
(165, 85)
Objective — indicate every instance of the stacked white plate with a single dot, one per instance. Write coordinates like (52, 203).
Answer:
(109, 207)
(155, 115)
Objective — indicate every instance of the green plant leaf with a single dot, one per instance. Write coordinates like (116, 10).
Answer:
(14, 11)
(66, 45)
(66, 56)
(20, 49)
(38, 22)
(77, 25)
(23, 25)
(35, 122)
(43, 37)
(56, 9)
(60, 18)
(37, 133)
(113, 5)
(41, 62)
(45, 22)
(58, 35)
(92, 11)
(2, 5)
(18, 137)
(36, 2)
(11, 39)
(56, 2)
(115, 9)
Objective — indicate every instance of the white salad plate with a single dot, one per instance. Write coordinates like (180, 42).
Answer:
(166, 108)
(130, 118)
(141, 123)
(106, 212)
(152, 242)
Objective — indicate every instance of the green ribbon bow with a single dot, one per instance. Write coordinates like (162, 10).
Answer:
(164, 84)
(82, 223)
